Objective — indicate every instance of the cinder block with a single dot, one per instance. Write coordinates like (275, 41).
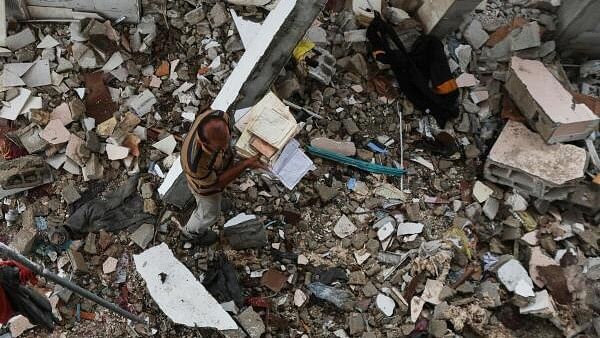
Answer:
(550, 109)
(521, 159)
(442, 17)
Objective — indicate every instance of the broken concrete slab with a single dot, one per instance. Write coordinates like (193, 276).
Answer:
(178, 293)
(521, 159)
(47, 42)
(546, 104)
(20, 40)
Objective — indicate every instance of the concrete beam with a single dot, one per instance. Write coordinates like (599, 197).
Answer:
(283, 28)
(109, 9)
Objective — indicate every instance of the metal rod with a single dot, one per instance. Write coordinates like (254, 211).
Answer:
(297, 107)
(10, 253)
(401, 143)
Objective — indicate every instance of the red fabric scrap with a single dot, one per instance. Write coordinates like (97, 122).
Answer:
(25, 275)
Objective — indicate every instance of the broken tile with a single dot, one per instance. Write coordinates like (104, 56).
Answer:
(416, 306)
(166, 145)
(541, 306)
(116, 152)
(48, 42)
(115, 61)
(98, 101)
(409, 228)
(62, 113)
(142, 103)
(299, 298)
(274, 280)
(55, 132)
(539, 259)
(15, 106)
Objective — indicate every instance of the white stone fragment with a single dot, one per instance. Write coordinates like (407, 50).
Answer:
(344, 227)
(166, 145)
(432, 291)
(110, 265)
(481, 192)
(511, 274)
(178, 293)
(385, 304)
(409, 228)
(416, 306)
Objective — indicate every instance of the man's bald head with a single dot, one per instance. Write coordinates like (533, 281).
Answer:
(214, 133)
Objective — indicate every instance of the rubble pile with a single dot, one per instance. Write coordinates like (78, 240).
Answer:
(486, 226)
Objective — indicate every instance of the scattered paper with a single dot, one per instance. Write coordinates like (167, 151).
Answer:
(292, 165)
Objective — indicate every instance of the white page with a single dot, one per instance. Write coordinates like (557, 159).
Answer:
(292, 165)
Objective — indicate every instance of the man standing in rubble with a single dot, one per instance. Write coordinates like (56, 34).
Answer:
(207, 161)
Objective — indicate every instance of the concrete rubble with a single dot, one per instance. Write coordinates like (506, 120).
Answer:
(491, 232)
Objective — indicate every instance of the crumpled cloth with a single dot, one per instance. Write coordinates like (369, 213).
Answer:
(222, 282)
(16, 298)
(120, 209)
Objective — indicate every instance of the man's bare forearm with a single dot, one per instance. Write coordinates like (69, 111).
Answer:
(231, 174)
